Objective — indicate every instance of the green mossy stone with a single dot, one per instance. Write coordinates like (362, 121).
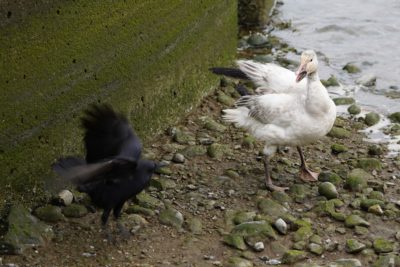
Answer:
(357, 180)
(382, 245)
(354, 246)
(343, 101)
(49, 213)
(327, 190)
(300, 245)
(274, 210)
(367, 203)
(375, 150)
(361, 230)
(183, 137)
(339, 133)
(387, 260)
(238, 262)
(24, 231)
(235, 241)
(75, 211)
(281, 197)
(332, 81)
(162, 184)
(194, 225)
(212, 125)
(330, 177)
(338, 148)
(171, 217)
(395, 117)
(369, 164)
(293, 256)
(302, 234)
(145, 200)
(354, 109)
(376, 195)
(257, 39)
(244, 216)
(217, 151)
(225, 99)
(375, 209)
(316, 249)
(248, 142)
(354, 220)
(371, 118)
(194, 151)
(351, 68)
(139, 210)
(259, 229)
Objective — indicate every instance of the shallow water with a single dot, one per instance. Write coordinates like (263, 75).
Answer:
(366, 32)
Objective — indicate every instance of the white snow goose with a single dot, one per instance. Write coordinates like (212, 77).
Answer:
(284, 118)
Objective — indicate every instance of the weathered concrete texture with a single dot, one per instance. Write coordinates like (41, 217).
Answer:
(149, 59)
(254, 13)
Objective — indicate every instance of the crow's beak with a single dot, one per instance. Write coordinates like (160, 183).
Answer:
(301, 72)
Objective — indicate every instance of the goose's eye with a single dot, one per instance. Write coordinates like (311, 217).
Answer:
(311, 60)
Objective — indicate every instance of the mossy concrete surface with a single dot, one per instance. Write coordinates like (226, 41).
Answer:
(149, 59)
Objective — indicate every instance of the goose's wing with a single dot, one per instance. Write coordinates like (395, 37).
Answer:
(272, 108)
(272, 77)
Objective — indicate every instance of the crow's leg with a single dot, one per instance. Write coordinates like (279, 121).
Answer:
(105, 226)
(125, 234)
(305, 173)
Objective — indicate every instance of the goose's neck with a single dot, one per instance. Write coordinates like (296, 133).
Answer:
(317, 96)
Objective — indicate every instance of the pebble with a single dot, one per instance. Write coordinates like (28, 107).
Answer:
(259, 246)
(178, 158)
(281, 226)
(66, 197)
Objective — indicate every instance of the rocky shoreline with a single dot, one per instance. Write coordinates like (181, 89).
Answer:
(210, 207)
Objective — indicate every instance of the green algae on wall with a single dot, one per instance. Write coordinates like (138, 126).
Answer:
(149, 59)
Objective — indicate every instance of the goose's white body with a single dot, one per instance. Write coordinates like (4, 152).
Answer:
(287, 113)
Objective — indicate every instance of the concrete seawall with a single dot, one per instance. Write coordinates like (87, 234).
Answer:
(149, 59)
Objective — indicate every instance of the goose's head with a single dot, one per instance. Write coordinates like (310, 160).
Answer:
(308, 65)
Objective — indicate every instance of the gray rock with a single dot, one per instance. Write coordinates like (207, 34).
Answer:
(345, 263)
(328, 190)
(24, 231)
(171, 217)
(49, 213)
(65, 197)
(281, 226)
(178, 158)
(259, 246)
(367, 80)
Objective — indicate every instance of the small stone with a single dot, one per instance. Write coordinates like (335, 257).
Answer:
(367, 80)
(259, 246)
(351, 68)
(239, 262)
(346, 263)
(257, 39)
(355, 220)
(194, 225)
(281, 226)
(225, 99)
(171, 217)
(332, 81)
(375, 209)
(302, 234)
(338, 148)
(357, 180)
(382, 245)
(395, 117)
(361, 230)
(316, 248)
(339, 133)
(371, 118)
(65, 197)
(212, 125)
(354, 109)
(49, 213)
(343, 101)
(235, 241)
(178, 158)
(75, 211)
(330, 177)
(354, 246)
(328, 190)
(293, 256)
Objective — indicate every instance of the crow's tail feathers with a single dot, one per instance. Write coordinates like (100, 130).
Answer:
(230, 72)
(77, 171)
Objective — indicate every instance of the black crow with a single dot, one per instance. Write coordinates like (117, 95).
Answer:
(112, 171)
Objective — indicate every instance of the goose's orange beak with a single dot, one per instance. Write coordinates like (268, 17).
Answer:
(301, 72)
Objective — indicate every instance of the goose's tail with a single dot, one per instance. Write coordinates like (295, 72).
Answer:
(239, 116)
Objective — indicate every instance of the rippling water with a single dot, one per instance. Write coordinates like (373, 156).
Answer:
(365, 32)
